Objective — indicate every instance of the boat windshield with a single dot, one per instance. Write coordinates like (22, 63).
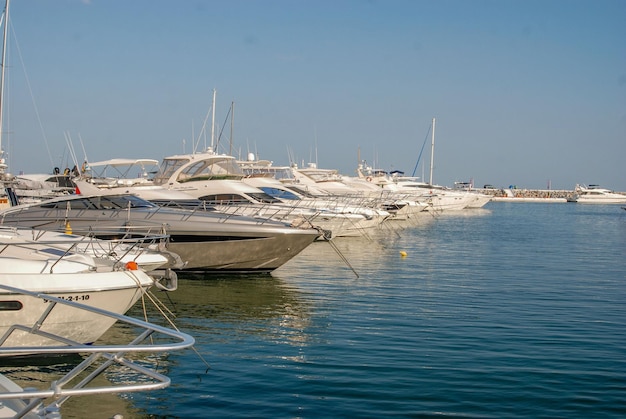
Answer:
(301, 191)
(168, 167)
(280, 193)
(225, 199)
(321, 175)
(110, 202)
(264, 198)
(279, 173)
(211, 169)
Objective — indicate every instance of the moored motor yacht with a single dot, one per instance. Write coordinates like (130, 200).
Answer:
(594, 194)
(204, 240)
(437, 197)
(479, 199)
(43, 267)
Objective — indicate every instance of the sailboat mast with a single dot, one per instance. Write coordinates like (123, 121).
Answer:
(213, 123)
(432, 152)
(3, 166)
(232, 127)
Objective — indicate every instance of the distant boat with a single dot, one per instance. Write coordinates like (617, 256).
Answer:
(594, 194)
(437, 197)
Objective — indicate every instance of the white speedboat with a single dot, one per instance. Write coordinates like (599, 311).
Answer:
(594, 194)
(72, 276)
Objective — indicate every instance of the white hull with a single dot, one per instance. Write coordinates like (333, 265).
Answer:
(449, 202)
(111, 291)
(479, 201)
(333, 225)
(361, 228)
(599, 200)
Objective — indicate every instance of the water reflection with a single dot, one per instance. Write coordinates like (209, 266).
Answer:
(254, 328)
(251, 304)
(355, 257)
(40, 372)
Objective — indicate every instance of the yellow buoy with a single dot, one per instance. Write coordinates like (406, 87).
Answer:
(402, 253)
(68, 228)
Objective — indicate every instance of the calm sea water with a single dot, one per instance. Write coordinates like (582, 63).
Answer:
(515, 310)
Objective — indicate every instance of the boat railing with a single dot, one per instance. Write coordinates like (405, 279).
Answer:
(122, 245)
(349, 202)
(120, 242)
(224, 212)
(143, 337)
(261, 212)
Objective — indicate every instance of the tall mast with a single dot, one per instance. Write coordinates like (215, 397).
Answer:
(232, 127)
(213, 123)
(432, 152)
(3, 165)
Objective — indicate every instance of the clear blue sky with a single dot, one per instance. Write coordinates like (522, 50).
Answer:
(524, 91)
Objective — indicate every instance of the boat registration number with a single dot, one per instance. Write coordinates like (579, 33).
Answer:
(81, 297)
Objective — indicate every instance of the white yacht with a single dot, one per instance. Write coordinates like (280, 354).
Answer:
(480, 199)
(64, 272)
(204, 240)
(594, 194)
(438, 197)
